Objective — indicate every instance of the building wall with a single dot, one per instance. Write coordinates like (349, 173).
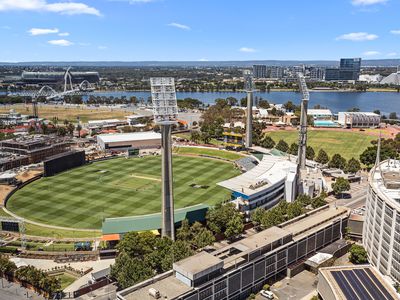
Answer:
(381, 234)
(121, 146)
(251, 276)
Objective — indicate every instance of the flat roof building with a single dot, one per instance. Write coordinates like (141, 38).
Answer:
(320, 114)
(243, 267)
(125, 141)
(271, 180)
(359, 119)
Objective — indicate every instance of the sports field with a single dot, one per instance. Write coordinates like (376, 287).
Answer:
(347, 144)
(82, 197)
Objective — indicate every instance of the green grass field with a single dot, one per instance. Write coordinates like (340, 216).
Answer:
(347, 144)
(82, 197)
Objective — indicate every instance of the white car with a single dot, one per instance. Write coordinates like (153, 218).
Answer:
(267, 294)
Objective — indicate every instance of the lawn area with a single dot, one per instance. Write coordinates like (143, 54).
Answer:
(66, 280)
(82, 197)
(68, 113)
(209, 152)
(347, 144)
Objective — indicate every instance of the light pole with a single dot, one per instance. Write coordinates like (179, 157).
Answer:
(165, 110)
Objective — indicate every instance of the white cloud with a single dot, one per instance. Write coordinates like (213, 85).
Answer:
(42, 31)
(180, 26)
(247, 49)
(63, 34)
(371, 53)
(358, 36)
(133, 1)
(5, 27)
(395, 31)
(102, 47)
(84, 44)
(202, 59)
(65, 8)
(63, 43)
(391, 54)
(367, 2)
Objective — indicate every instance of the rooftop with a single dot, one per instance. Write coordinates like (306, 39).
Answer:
(269, 171)
(357, 282)
(386, 180)
(237, 252)
(370, 114)
(319, 112)
(128, 137)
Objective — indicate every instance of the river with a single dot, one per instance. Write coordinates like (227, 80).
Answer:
(386, 102)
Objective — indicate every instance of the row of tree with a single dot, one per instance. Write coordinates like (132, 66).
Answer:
(285, 211)
(143, 255)
(35, 277)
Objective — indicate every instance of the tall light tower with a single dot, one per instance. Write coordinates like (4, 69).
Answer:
(165, 110)
(248, 86)
(301, 159)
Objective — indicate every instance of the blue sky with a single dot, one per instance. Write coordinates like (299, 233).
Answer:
(139, 30)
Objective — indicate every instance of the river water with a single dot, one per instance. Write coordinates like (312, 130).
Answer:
(386, 102)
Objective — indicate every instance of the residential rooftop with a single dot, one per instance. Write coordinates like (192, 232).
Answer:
(128, 137)
(385, 179)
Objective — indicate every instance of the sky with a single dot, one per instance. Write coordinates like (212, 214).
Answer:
(198, 30)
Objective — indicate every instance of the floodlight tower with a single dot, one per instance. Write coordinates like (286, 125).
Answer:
(165, 110)
(248, 86)
(301, 159)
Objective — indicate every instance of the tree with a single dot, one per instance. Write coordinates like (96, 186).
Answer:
(205, 137)
(289, 106)
(322, 157)
(220, 216)
(352, 166)
(234, 227)
(263, 104)
(294, 149)
(257, 215)
(70, 128)
(310, 153)
(319, 201)
(354, 109)
(294, 209)
(377, 111)
(282, 146)
(128, 270)
(267, 142)
(137, 244)
(232, 101)
(358, 255)
(304, 199)
(340, 186)
(388, 150)
(183, 233)
(6, 266)
(61, 131)
(195, 136)
(202, 238)
(337, 162)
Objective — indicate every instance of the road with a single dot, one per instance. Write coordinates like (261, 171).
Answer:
(13, 291)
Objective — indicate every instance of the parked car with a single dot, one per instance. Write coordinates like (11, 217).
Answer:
(267, 294)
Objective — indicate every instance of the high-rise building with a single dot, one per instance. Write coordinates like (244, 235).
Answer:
(274, 72)
(260, 71)
(349, 69)
(317, 74)
(381, 232)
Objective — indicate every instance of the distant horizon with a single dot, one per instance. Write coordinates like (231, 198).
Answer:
(221, 63)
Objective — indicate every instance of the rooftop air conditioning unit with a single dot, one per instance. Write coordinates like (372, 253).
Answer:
(154, 293)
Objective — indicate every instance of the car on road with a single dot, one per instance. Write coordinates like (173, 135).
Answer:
(267, 294)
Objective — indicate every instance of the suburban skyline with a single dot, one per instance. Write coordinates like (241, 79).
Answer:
(172, 30)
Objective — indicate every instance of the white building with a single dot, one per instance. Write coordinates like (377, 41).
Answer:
(376, 78)
(359, 119)
(273, 179)
(393, 78)
(108, 123)
(320, 114)
(381, 232)
(125, 141)
(13, 118)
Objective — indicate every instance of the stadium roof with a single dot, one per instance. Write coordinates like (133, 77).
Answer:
(268, 172)
(128, 137)
(152, 221)
(357, 283)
